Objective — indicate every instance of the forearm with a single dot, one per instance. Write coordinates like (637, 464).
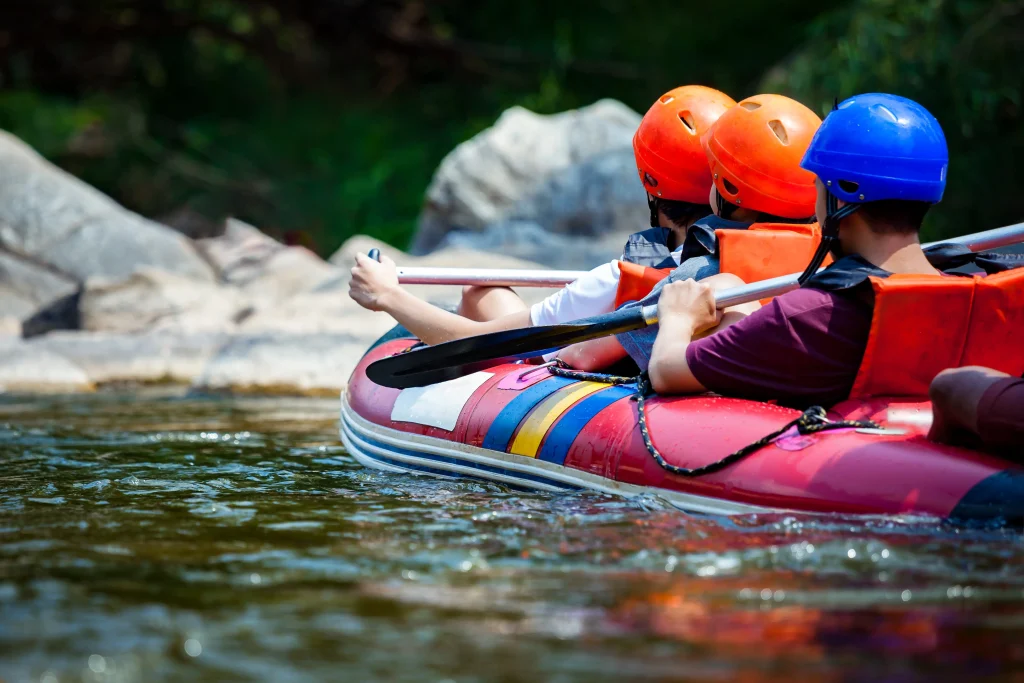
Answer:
(668, 370)
(593, 355)
(435, 325)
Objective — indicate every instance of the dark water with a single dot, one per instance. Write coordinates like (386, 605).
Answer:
(227, 540)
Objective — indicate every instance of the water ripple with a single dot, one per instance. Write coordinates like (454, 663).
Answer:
(206, 539)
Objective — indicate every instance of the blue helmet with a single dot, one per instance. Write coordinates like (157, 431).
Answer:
(876, 146)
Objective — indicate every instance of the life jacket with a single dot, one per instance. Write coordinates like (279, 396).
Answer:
(649, 248)
(924, 324)
(759, 252)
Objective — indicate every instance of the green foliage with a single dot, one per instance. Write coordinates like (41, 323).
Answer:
(319, 119)
(961, 59)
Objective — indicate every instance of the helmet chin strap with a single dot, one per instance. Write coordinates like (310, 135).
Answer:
(652, 204)
(725, 208)
(834, 215)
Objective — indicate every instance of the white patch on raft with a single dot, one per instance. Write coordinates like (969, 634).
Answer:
(437, 405)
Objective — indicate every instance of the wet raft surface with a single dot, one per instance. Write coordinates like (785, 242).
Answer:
(223, 540)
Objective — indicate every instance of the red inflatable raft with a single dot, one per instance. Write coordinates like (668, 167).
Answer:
(524, 427)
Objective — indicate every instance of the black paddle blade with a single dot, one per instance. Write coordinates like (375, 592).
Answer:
(432, 364)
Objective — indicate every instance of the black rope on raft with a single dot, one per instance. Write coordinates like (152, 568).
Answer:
(561, 369)
(812, 421)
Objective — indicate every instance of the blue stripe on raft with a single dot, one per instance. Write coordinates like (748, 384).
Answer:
(504, 426)
(559, 439)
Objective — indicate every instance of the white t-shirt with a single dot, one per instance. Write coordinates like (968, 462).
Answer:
(592, 294)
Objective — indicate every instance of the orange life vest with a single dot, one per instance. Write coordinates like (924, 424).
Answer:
(923, 324)
(762, 251)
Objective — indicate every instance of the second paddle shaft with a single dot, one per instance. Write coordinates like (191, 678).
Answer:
(981, 241)
(507, 277)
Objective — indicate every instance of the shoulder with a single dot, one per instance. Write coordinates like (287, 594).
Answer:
(808, 299)
(659, 235)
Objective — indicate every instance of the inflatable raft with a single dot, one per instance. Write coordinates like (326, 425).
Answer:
(523, 426)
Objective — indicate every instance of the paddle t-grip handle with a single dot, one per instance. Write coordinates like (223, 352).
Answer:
(374, 254)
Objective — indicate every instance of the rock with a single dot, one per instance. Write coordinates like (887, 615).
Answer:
(315, 365)
(266, 269)
(156, 300)
(56, 220)
(316, 313)
(529, 242)
(192, 224)
(25, 287)
(25, 369)
(10, 327)
(345, 256)
(570, 173)
(124, 358)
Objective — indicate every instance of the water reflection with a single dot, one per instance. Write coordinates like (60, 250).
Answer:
(214, 539)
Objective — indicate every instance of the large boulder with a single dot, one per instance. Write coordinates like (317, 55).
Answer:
(107, 358)
(56, 220)
(264, 268)
(25, 287)
(151, 300)
(25, 369)
(295, 364)
(570, 175)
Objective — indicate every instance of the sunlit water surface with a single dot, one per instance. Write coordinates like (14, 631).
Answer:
(210, 539)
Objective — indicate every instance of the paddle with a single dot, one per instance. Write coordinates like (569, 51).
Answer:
(490, 277)
(432, 364)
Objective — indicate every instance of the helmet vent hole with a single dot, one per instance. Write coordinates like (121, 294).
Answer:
(729, 187)
(687, 118)
(665, 99)
(780, 131)
(750, 106)
(848, 186)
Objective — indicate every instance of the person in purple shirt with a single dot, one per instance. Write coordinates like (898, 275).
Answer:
(881, 163)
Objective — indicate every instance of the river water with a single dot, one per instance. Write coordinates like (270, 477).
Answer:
(162, 537)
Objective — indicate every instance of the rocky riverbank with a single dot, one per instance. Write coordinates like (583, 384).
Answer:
(92, 294)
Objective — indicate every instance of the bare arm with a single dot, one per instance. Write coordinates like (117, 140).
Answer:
(593, 355)
(375, 286)
(435, 325)
(685, 309)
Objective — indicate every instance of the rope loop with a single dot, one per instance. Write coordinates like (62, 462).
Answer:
(811, 421)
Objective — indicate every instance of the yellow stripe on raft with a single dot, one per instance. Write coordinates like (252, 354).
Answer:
(531, 434)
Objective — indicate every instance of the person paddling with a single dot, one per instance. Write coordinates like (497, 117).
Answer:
(881, 163)
(673, 169)
(759, 192)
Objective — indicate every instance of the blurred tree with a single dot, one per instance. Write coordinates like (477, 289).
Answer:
(961, 59)
(317, 119)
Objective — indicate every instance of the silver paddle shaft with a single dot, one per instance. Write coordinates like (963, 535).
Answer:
(490, 277)
(980, 241)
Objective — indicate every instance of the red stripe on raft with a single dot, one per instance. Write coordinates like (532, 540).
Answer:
(837, 472)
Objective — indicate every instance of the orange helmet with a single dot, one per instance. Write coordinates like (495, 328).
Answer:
(755, 150)
(667, 147)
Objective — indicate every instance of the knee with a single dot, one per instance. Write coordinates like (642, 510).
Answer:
(472, 295)
(724, 281)
(944, 387)
(474, 292)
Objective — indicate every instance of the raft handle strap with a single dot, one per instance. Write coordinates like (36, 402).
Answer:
(812, 421)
